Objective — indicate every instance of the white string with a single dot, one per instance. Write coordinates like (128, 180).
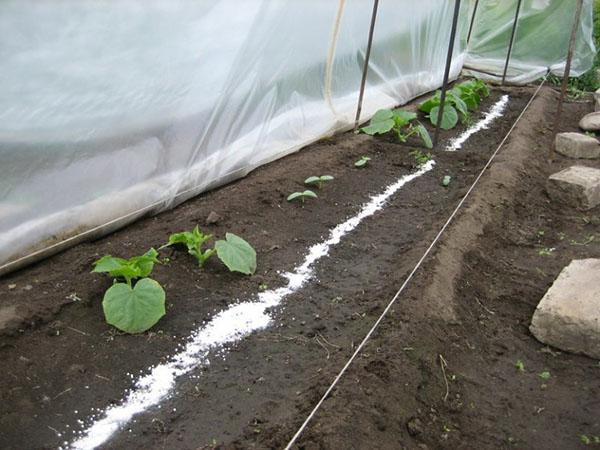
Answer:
(391, 303)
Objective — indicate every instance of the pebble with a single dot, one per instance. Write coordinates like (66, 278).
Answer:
(212, 218)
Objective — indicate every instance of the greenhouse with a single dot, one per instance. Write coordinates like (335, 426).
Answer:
(299, 224)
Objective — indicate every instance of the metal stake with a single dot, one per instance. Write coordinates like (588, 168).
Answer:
(472, 22)
(512, 40)
(447, 72)
(366, 65)
(565, 80)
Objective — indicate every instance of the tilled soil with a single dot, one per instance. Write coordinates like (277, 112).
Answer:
(469, 313)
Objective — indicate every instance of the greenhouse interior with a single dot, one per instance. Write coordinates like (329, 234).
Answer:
(300, 224)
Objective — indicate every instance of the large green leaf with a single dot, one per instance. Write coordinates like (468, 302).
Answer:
(237, 254)
(134, 310)
(381, 122)
(449, 119)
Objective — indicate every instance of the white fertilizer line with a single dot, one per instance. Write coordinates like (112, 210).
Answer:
(495, 112)
(227, 327)
(409, 277)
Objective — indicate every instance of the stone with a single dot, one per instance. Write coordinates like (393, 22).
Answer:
(568, 316)
(577, 186)
(590, 122)
(212, 218)
(577, 145)
(597, 100)
(8, 317)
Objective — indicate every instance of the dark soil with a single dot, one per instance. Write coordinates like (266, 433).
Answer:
(470, 307)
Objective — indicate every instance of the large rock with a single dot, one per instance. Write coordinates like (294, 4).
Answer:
(597, 100)
(577, 145)
(568, 317)
(590, 122)
(577, 186)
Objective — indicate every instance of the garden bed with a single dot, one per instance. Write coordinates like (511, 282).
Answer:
(62, 360)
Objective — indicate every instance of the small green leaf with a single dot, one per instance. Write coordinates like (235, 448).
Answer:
(312, 180)
(362, 161)
(429, 104)
(403, 118)
(544, 375)
(134, 310)
(449, 119)
(520, 366)
(326, 177)
(424, 135)
(301, 195)
(236, 254)
(446, 181)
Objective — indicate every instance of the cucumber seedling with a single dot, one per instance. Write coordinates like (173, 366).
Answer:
(362, 162)
(318, 181)
(132, 308)
(302, 196)
(237, 254)
(193, 240)
(403, 123)
(420, 157)
(461, 99)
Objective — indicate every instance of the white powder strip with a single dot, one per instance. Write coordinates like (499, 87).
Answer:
(495, 112)
(227, 327)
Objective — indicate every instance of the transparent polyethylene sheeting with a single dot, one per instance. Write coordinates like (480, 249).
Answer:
(114, 109)
(541, 40)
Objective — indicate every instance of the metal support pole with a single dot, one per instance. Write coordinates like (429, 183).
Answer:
(366, 65)
(512, 40)
(565, 80)
(472, 22)
(447, 72)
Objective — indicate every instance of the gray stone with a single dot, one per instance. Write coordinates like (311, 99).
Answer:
(212, 218)
(577, 145)
(590, 122)
(568, 317)
(578, 186)
(597, 100)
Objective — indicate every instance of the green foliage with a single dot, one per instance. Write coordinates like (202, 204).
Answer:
(134, 310)
(545, 375)
(362, 162)
(403, 123)
(129, 269)
(520, 366)
(446, 181)
(236, 254)
(420, 157)
(588, 440)
(461, 99)
(193, 240)
(589, 81)
(301, 195)
(318, 181)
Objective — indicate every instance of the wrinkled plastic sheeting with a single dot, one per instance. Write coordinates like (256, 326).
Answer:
(111, 110)
(541, 40)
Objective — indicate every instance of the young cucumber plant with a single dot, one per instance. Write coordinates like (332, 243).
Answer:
(461, 99)
(403, 123)
(128, 307)
(302, 196)
(362, 162)
(420, 158)
(193, 240)
(318, 181)
(237, 254)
